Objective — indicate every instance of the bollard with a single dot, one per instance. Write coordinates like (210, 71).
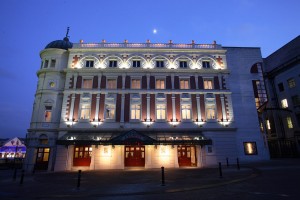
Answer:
(220, 170)
(238, 164)
(78, 180)
(162, 176)
(227, 163)
(15, 174)
(22, 177)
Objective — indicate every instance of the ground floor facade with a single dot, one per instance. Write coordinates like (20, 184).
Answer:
(108, 150)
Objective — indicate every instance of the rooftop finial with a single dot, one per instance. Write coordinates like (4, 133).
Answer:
(67, 32)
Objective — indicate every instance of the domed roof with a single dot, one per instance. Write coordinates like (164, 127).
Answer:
(60, 44)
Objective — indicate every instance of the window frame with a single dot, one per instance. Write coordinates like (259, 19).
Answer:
(160, 80)
(186, 80)
(48, 110)
(89, 63)
(52, 63)
(132, 84)
(113, 63)
(136, 63)
(83, 83)
(208, 80)
(87, 109)
(108, 85)
(159, 63)
(185, 65)
(205, 65)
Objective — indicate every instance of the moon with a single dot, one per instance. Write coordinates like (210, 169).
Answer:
(154, 31)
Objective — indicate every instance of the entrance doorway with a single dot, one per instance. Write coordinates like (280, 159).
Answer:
(134, 156)
(82, 156)
(186, 156)
(42, 158)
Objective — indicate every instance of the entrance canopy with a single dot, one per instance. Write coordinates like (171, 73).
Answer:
(133, 137)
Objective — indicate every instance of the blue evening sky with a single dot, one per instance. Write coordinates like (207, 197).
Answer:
(27, 26)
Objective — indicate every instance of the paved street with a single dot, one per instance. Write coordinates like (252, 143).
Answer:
(276, 179)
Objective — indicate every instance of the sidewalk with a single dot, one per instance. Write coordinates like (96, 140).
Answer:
(109, 183)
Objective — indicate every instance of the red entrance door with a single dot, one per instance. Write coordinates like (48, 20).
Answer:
(82, 156)
(186, 155)
(134, 156)
(42, 158)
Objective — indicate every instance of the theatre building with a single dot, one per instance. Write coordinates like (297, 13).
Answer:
(117, 105)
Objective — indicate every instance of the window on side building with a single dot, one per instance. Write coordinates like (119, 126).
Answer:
(208, 84)
(53, 63)
(289, 122)
(48, 113)
(183, 64)
(111, 84)
(85, 111)
(87, 83)
(291, 83)
(280, 87)
(135, 83)
(136, 63)
(113, 63)
(89, 63)
(206, 64)
(184, 84)
(160, 84)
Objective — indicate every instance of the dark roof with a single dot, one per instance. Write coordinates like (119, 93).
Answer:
(60, 44)
(283, 55)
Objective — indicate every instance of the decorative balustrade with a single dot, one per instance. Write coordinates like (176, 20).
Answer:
(146, 45)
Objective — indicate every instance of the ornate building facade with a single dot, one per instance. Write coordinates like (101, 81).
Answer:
(116, 105)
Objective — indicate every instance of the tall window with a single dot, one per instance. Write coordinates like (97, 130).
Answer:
(85, 111)
(160, 63)
(113, 63)
(186, 111)
(135, 111)
(135, 84)
(110, 111)
(183, 64)
(208, 84)
(111, 84)
(48, 113)
(289, 122)
(160, 84)
(46, 63)
(160, 111)
(89, 63)
(184, 84)
(53, 62)
(206, 64)
(284, 103)
(87, 83)
(210, 111)
(136, 63)
(268, 124)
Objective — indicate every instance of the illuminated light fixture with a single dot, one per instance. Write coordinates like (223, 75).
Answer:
(124, 65)
(71, 138)
(148, 65)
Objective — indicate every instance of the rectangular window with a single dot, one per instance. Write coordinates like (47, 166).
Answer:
(183, 64)
(135, 111)
(206, 64)
(87, 83)
(296, 100)
(280, 87)
(113, 63)
(85, 111)
(186, 111)
(160, 63)
(291, 83)
(160, 111)
(42, 64)
(284, 103)
(111, 84)
(48, 113)
(135, 84)
(208, 84)
(89, 63)
(53, 63)
(46, 63)
(136, 63)
(184, 84)
(250, 148)
(289, 122)
(160, 84)
(210, 111)
(110, 111)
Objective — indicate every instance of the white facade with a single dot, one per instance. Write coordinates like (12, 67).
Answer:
(116, 105)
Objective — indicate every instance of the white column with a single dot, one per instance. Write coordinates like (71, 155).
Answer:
(123, 81)
(223, 107)
(196, 81)
(173, 108)
(220, 81)
(97, 107)
(198, 107)
(72, 107)
(122, 108)
(75, 82)
(172, 81)
(99, 80)
(148, 107)
(92, 165)
(176, 156)
(199, 156)
(148, 81)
